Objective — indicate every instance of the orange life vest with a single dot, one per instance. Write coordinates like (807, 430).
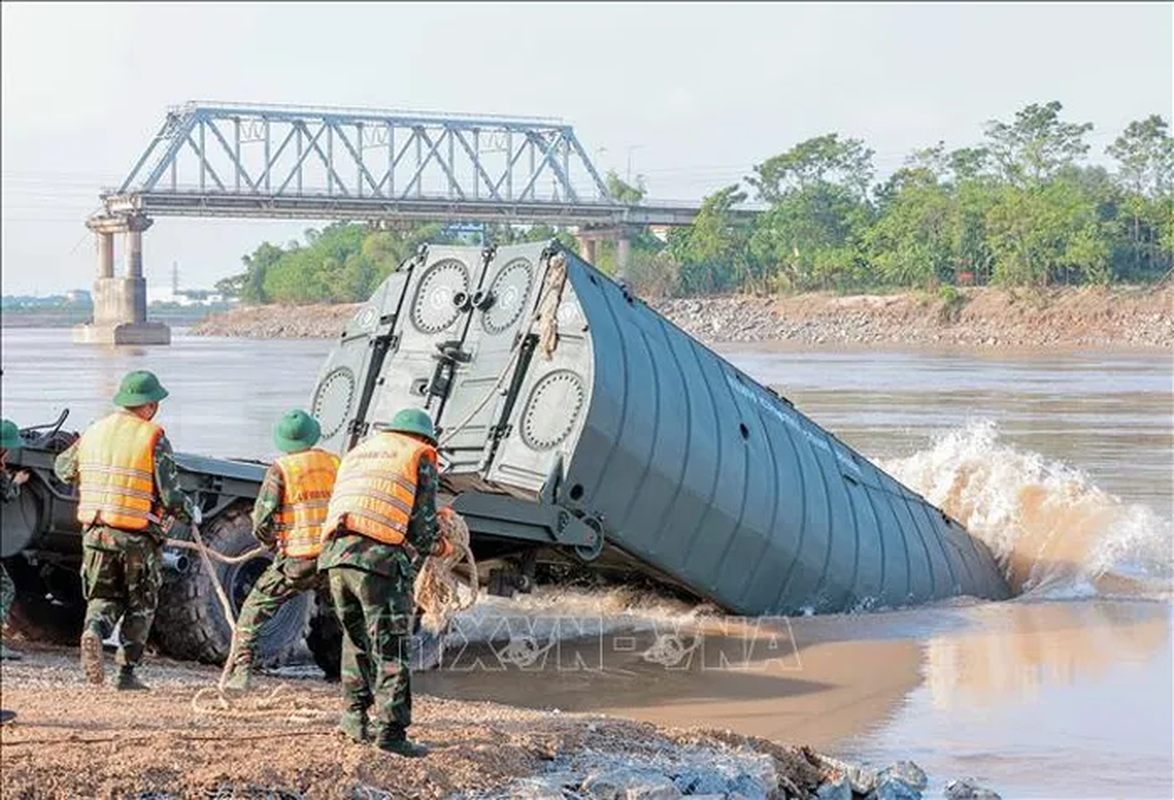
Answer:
(308, 479)
(116, 466)
(376, 487)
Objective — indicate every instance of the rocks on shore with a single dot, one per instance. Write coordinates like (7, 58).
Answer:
(987, 318)
(1088, 317)
(654, 770)
(671, 771)
(966, 789)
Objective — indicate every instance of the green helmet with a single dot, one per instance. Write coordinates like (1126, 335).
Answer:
(9, 435)
(296, 430)
(139, 388)
(413, 420)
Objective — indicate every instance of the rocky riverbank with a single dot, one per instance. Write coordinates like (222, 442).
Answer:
(979, 317)
(179, 740)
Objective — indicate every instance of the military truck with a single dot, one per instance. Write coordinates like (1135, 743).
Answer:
(578, 428)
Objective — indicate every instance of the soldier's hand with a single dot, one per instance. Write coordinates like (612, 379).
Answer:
(197, 515)
(21, 477)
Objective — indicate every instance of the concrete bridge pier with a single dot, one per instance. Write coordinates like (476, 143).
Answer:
(623, 256)
(120, 303)
(586, 247)
(588, 240)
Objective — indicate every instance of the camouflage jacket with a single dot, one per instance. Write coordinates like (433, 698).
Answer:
(171, 498)
(346, 549)
(269, 499)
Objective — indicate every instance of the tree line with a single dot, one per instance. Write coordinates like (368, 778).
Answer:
(1019, 208)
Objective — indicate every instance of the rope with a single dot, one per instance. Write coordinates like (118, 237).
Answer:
(223, 559)
(211, 701)
(552, 296)
(437, 589)
(437, 592)
(220, 593)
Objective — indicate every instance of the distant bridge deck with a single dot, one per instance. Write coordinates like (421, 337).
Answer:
(180, 203)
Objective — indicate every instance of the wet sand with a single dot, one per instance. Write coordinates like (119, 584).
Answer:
(72, 740)
(814, 692)
(1081, 688)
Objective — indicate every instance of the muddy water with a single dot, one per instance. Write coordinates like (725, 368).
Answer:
(1062, 462)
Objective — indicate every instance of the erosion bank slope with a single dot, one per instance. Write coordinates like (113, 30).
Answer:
(981, 317)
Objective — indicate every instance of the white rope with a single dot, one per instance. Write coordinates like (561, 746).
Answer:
(437, 589)
(223, 559)
(220, 593)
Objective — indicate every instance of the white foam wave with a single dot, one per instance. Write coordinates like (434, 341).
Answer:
(559, 612)
(1055, 533)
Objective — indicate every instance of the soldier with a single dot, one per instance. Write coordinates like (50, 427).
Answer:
(381, 520)
(9, 440)
(287, 516)
(128, 483)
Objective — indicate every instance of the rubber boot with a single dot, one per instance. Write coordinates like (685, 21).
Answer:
(128, 682)
(354, 726)
(6, 716)
(92, 665)
(9, 655)
(393, 739)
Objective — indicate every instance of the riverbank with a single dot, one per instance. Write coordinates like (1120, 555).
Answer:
(975, 317)
(72, 740)
(68, 317)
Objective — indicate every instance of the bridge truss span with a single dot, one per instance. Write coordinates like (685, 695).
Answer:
(225, 159)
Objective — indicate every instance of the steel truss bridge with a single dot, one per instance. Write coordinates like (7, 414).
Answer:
(288, 162)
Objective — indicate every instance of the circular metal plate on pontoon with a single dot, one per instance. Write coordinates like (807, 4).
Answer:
(552, 410)
(433, 309)
(332, 400)
(511, 291)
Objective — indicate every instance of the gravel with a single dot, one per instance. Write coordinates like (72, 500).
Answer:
(984, 318)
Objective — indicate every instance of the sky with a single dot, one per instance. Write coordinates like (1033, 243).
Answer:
(692, 94)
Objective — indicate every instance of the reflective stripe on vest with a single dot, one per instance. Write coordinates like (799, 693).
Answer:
(376, 487)
(307, 479)
(116, 468)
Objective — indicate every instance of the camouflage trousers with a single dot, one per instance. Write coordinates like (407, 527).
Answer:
(7, 594)
(375, 612)
(284, 579)
(122, 580)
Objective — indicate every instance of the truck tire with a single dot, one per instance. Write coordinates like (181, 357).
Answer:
(324, 638)
(189, 623)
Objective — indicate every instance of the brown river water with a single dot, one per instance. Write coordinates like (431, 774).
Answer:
(1063, 462)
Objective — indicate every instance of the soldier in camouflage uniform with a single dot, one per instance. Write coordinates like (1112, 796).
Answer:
(9, 440)
(287, 517)
(386, 491)
(129, 485)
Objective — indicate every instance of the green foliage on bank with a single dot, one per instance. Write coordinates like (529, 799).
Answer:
(1020, 208)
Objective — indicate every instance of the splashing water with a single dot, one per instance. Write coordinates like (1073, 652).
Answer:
(562, 612)
(1054, 532)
